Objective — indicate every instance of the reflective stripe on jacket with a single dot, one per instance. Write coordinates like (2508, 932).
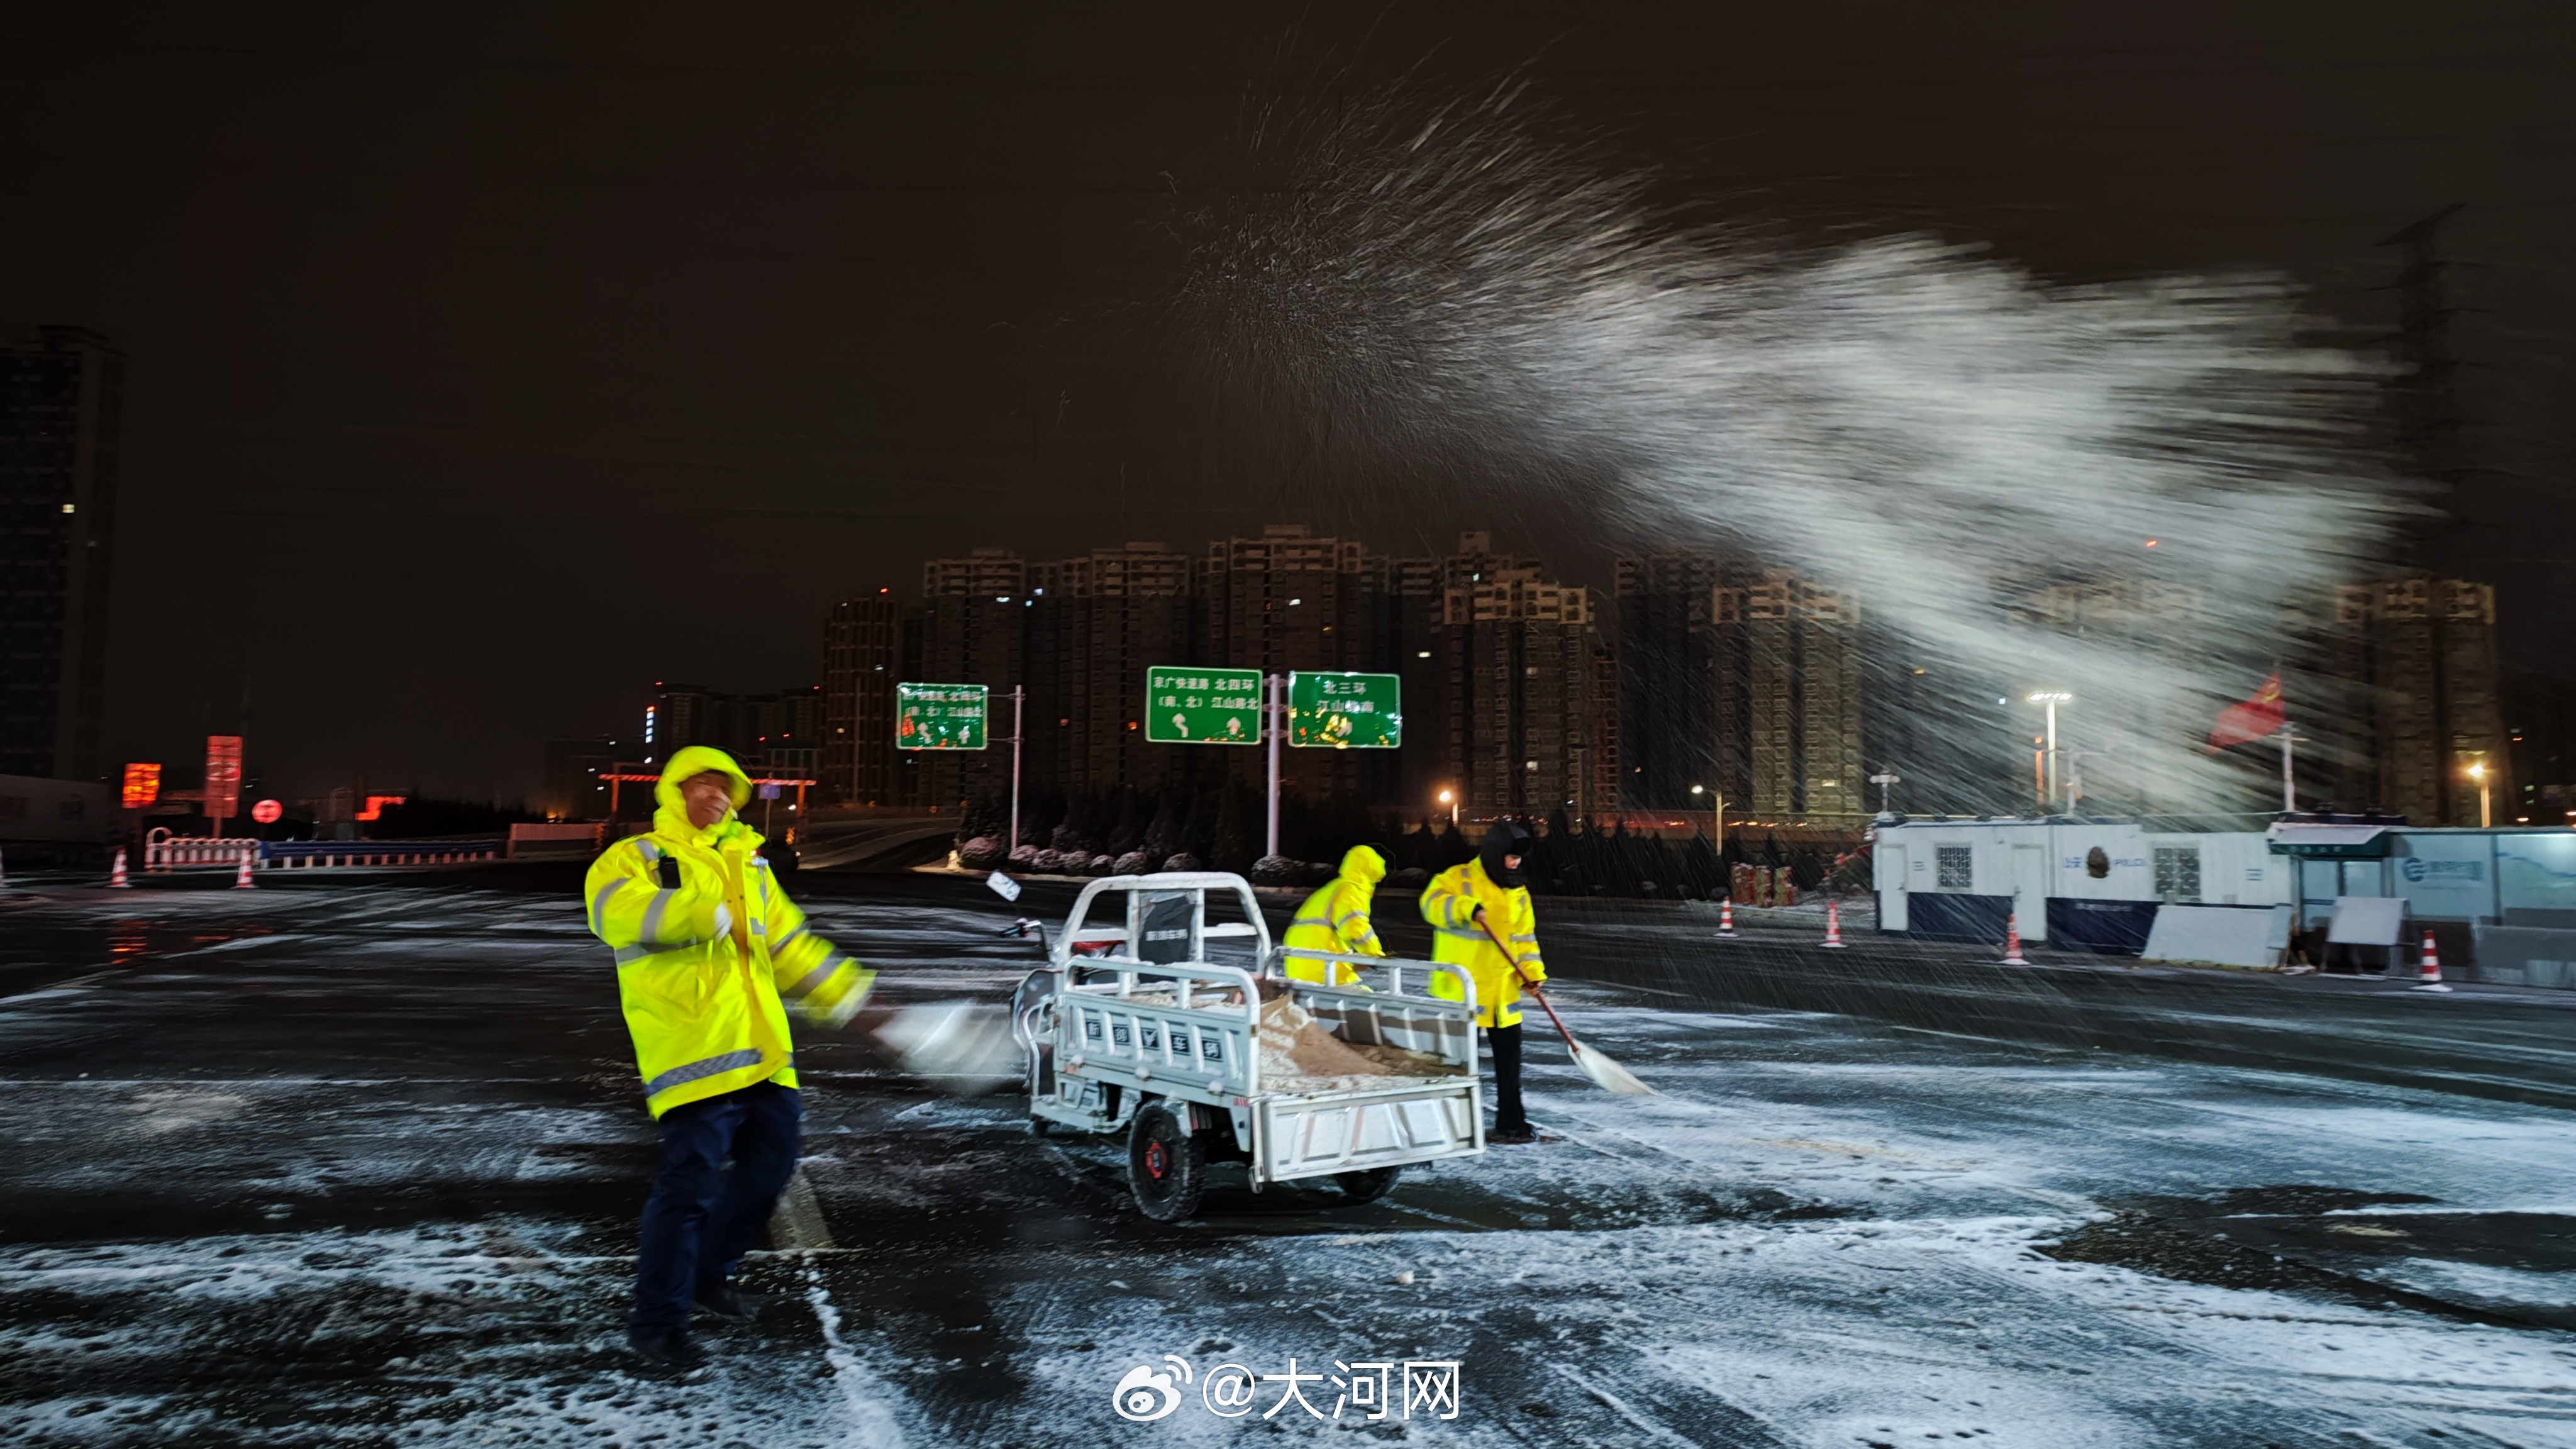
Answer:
(1336, 919)
(709, 950)
(1449, 904)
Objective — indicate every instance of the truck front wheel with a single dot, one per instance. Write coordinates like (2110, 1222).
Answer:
(1166, 1163)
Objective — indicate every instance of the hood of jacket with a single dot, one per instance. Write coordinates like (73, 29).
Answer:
(1504, 839)
(672, 815)
(1364, 864)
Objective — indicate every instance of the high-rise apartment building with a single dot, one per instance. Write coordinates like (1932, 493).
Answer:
(1101, 620)
(1409, 634)
(1288, 601)
(986, 571)
(973, 627)
(1669, 658)
(1797, 691)
(862, 657)
(1740, 680)
(1518, 711)
(61, 402)
(1510, 691)
(2416, 659)
(780, 732)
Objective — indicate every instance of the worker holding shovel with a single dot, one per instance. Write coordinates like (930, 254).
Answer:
(1484, 922)
(1479, 910)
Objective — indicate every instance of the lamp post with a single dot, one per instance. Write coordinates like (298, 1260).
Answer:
(2486, 804)
(1886, 781)
(1717, 815)
(1450, 799)
(2051, 699)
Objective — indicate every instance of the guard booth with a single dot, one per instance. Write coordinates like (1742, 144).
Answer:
(2501, 903)
(2079, 885)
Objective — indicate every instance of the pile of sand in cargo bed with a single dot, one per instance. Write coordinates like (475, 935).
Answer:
(1298, 1055)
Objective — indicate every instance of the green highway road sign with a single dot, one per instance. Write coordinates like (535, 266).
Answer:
(1191, 706)
(1345, 711)
(939, 716)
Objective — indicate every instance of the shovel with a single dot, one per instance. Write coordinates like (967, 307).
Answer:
(1605, 1073)
(966, 1044)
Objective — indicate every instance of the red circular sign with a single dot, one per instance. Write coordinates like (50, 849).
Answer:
(266, 812)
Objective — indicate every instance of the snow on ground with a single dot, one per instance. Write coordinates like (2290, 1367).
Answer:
(1823, 1233)
(500, 1334)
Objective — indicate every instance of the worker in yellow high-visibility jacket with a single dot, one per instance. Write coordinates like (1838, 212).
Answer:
(1336, 919)
(1458, 903)
(710, 953)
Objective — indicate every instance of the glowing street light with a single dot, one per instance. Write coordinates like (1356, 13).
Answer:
(1450, 799)
(2051, 698)
(1718, 814)
(2486, 803)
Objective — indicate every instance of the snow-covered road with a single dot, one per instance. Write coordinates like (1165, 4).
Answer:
(359, 1166)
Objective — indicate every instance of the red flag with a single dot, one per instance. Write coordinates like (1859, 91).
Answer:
(2250, 719)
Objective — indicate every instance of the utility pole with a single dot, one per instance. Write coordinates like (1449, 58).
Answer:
(1019, 701)
(1277, 727)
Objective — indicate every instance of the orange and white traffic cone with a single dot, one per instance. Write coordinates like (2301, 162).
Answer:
(1833, 925)
(2429, 977)
(1726, 916)
(242, 881)
(2012, 942)
(116, 875)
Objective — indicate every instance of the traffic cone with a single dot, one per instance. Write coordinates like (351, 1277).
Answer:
(2012, 941)
(242, 881)
(2430, 978)
(1726, 917)
(116, 880)
(1833, 925)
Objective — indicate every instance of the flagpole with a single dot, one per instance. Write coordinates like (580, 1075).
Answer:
(2289, 777)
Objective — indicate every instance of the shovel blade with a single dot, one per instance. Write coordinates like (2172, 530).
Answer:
(1609, 1075)
(968, 1045)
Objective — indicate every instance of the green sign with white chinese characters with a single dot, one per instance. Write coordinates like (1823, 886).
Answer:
(939, 716)
(1190, 706)
(1342, 711)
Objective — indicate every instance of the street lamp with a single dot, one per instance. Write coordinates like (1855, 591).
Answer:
(1450, 799)
(1886, 781)
(2051, 698)
(1719, 815)
(2486, 805)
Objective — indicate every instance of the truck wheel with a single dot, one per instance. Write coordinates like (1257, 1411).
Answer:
(1040, 1127)
(1166, 1164)
(1368, 1186)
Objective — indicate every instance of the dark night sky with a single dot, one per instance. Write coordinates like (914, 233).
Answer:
(486, 368)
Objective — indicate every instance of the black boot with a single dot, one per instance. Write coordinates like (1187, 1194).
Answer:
(664, 1348)
(1511, 1136)
(731, 1304)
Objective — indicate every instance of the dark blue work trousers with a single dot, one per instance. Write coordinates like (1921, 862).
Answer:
(705, 1212)
(1505, 1041)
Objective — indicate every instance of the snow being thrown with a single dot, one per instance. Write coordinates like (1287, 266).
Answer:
(1438, 290)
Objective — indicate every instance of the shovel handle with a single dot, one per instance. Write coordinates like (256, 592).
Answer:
(1535, 994)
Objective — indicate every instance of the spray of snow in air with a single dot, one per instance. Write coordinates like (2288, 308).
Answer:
(1941, 435)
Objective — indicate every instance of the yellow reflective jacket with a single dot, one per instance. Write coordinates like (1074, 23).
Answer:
(1336, 919)
(1449, 904)
(709, 948)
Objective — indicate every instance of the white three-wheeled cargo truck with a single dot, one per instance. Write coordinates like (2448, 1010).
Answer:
(1133, 1026)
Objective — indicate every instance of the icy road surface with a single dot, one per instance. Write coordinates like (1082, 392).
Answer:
(357, 1164)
